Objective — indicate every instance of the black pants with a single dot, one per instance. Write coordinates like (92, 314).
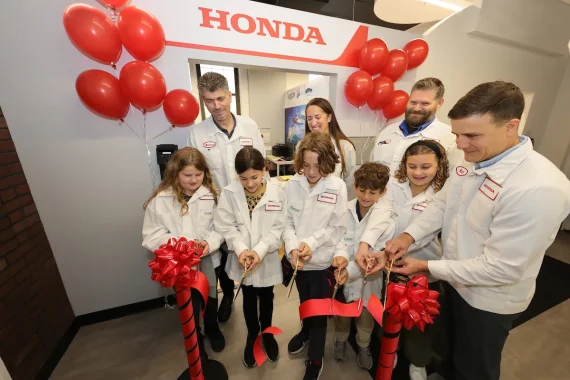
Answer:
(253, 319)
(210, 319)
(314, 284)
(475, 337)
(226, 283)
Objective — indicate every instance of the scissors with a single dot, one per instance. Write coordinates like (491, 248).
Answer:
(294, 276)
(241, 282)
(334, 293)
(363, 285)
(387, 281)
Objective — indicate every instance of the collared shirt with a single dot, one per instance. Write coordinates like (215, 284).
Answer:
(405, 128)
(494, 160)
(358, 213)
(229, 134)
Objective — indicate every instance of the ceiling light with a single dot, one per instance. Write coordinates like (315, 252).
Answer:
(445, 4)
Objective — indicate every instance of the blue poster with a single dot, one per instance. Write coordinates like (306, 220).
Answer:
(294, 124)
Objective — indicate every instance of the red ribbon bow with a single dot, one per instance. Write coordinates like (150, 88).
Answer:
(174, 262)
(413, 303)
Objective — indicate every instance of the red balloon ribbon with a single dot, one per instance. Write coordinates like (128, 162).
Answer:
(258, 353)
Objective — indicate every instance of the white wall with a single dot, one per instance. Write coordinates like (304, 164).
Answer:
(462, 61)
(294, 80)
(89, 176)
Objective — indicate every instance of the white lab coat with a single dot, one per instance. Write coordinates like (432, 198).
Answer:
(497, 224)
(391, 144)
(220, 151)
(315, 216)
(261, 233)
(162, 221)
(405, 208)
(355, 229)
(350, 162)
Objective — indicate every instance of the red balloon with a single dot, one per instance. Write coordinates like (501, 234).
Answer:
(114, 3)
(396, 65)
(142, 84)
(93, 33)
(358, 88)
(382, 89)
(417, 51)
(373, 56)
(101, 93)
(141, 33)
(397, 104)
(180, 107)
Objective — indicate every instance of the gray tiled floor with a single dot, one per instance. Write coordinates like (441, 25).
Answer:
(149, 345)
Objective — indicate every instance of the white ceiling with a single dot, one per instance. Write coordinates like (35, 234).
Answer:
(419, 11)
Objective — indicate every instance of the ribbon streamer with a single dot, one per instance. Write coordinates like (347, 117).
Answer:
(258, 352)
(376, 309)
(321, 307)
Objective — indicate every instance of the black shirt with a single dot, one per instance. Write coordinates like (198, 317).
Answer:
(358, 214)
(229, 134)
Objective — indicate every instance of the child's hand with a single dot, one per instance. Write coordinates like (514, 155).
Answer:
(244, 258)
(397, 248)
(362, 258)
(339, 262)
(254, 260)
(377, 261)
(295, 261)
(305, 251)
(341, 277)
(205, 247)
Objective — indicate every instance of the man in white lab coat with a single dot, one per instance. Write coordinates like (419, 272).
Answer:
(420, 123)
(219, 138)
(497, 219)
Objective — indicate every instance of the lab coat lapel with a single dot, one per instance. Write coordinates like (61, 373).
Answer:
(242, 205)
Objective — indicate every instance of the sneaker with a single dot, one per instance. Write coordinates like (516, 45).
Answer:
(225, 309)
(271, 347)
(297, 343)
(364, 358)
(313, 371)
(248, 357)
(217, 340)
(417, 373)
(339, 350)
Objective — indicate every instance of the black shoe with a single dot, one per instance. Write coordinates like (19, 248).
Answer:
(298, 342)
(271, 347)
(313, 371)
(225, 309)
(248, 358)
(217, 340)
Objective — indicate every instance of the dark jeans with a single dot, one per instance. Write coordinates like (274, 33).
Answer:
(253, 319)
(226, 283)
(475, 337)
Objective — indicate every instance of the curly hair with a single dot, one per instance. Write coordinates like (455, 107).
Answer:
(372, 176)
(426, 147)
(322, 145)
(181, 159)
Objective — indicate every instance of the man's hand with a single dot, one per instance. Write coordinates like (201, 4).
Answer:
(205, 247)
(295, 260)
(339, 262)
(377, 261)
(305, 252)
(341, 276)
(409, 266)
(396, 248)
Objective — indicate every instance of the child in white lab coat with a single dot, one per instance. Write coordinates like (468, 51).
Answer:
(183, 206)
(251, 217)
(422, 173)
(370, 184)
(315, 223)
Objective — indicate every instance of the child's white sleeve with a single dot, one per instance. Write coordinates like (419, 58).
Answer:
(340, 250)
(336, 227)
(213, 238)
(389, 230)
(225, 223)
(353, 271)
(154, 233)
(379, 221)
(272, 241)
(289, 233)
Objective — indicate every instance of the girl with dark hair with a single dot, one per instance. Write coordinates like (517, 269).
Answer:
(320, 118)
(251, 217)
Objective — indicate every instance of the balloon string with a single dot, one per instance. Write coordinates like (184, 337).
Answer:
(132, 129)
(152, 176)
(160, 134)
(112, 13)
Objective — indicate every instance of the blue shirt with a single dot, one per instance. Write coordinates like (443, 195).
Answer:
(494, 160)
(406, 132)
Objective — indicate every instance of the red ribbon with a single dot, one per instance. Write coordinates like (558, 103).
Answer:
(375, 308)
(320, 307)
(258, 352)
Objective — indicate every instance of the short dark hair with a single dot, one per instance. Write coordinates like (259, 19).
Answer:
(212, 82)
(430, 84)
(372, 176)
(249, 158)
(321, 144)
(502, 101)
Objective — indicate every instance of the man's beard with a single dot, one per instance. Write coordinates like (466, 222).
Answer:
(414, 123)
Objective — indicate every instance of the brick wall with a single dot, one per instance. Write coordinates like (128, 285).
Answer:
(34, 309)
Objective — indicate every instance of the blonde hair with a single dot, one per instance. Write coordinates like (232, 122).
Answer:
(321, 144)
(181, 159)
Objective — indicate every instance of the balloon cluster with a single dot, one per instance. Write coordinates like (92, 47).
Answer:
(376, 59)
(139, 83)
